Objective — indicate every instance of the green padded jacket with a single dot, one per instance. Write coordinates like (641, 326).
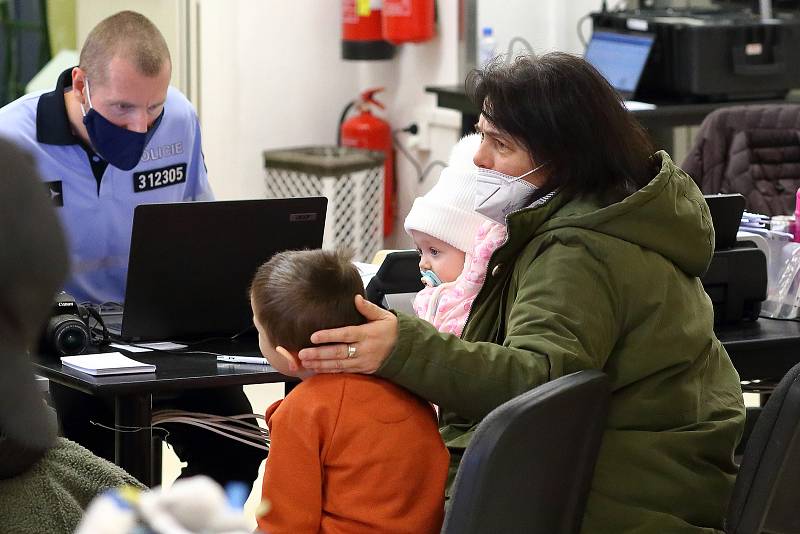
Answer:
(579, 285)
(51, 496)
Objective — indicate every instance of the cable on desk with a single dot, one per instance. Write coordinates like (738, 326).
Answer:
(258, 442)
(232, 430)
(233, 424)
(126, 428)
(253, 441)
(232, 420)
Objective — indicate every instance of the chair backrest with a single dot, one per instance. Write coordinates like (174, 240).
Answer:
(765, 497)
(753, 150)
(398, 273)
(529, 465)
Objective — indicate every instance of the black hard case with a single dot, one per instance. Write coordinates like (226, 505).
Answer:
(730, 56)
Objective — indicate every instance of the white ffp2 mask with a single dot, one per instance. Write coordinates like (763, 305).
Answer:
(498, 194)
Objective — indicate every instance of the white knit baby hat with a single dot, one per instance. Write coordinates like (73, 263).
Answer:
(447, 212)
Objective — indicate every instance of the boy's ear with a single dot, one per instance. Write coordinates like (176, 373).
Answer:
(292, 360)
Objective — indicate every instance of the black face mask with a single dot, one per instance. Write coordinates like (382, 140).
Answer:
(119, 146)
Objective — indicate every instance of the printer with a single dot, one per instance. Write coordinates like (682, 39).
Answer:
(712, 54)
(736, 282)
(736, 279)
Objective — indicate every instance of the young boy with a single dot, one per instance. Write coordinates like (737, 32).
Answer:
(454, 241)
(348, 453)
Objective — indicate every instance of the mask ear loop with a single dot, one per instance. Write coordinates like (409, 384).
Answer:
(532, 171)
(88, 96)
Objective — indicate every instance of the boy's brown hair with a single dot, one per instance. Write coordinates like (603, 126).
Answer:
(299, 292)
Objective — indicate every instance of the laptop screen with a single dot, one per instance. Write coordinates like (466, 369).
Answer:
(192, 262)
(620, 57)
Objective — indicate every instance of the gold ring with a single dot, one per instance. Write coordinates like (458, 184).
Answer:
(351, 351)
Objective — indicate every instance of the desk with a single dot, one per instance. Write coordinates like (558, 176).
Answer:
(133, 396)
(658, 122)
(763, 350)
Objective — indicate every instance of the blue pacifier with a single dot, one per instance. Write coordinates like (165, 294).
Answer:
(430, 279)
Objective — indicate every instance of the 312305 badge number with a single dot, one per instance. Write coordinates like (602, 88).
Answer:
(157, 178)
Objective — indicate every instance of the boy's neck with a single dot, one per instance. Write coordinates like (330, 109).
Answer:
(304, 374)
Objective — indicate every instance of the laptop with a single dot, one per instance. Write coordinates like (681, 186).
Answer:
(620, 58)
(191, 263)
(726, 216)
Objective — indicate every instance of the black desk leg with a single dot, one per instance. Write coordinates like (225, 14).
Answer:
(133, 450)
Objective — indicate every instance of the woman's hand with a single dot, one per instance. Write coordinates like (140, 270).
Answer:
(354, 349)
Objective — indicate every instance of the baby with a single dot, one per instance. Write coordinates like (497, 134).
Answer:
(454, 242)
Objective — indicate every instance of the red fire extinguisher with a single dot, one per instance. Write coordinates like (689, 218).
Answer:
(365, 130)
(362, 35)
(408, 21)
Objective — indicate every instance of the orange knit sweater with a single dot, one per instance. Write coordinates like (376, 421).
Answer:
(350, 454)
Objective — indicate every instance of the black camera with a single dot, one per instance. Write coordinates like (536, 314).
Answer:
(66, 332)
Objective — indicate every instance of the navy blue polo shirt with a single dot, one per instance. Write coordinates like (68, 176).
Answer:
(96, 200)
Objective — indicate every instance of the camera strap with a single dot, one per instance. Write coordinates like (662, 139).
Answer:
(104, 337)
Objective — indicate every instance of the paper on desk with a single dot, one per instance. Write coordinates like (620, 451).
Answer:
(366, 270)
(129, 348)
(108, 363)
(147, 347)
(163, 345)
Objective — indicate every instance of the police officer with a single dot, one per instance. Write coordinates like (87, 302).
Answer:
(113, 135)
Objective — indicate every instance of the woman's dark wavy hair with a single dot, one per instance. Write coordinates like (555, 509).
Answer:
(564, 112)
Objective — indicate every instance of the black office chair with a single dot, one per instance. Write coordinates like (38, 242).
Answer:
(530, 464)
(765, 497)
(398, 273)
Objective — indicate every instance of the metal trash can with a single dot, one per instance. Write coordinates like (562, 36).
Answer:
(352, 181)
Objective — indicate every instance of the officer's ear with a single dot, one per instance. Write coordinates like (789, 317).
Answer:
(79, 83)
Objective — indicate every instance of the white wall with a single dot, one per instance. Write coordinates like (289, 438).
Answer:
(169, 16)
(546, 24)
(272, 77)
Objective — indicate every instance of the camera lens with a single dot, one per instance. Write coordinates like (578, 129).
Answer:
(71, 340)
(68, 335)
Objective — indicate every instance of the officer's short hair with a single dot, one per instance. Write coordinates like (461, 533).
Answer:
(126, 34)
(296, 293)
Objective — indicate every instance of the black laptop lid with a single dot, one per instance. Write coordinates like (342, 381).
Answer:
(726, 216)
(620, 58)
(191, 263)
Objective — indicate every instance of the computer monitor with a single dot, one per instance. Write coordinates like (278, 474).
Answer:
(620, 58)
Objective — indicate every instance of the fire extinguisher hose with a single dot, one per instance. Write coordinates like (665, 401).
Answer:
(342, 117)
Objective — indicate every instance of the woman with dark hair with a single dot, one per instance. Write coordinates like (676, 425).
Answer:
(606, 242)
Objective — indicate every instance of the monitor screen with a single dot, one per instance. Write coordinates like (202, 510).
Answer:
(619, 57)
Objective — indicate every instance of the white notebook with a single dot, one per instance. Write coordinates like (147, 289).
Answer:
(109, 363)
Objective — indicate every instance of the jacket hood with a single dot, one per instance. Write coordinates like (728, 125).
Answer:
(33, 263)
(668, 215)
